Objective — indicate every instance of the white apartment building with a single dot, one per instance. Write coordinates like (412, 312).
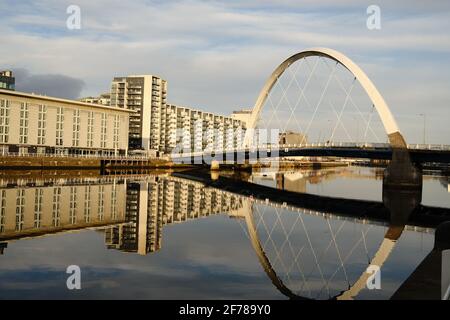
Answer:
(32, 123)
(197, 130)
(159, 126)
(146, 95)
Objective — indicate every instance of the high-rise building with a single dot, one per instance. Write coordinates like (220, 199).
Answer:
(7, 80)
(145, 94)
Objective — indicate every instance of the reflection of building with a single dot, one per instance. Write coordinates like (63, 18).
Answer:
(290, 137)
(292, 181)
(39, 124)
(38, 209)
(7, 80)
(159, 201)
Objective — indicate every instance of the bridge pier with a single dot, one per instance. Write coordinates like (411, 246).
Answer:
(401, 172)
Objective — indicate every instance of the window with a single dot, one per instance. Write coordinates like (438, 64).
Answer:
(23, 124)
(38, 200)
(76, 128)
(42, 123)
(116, 130)
(56, 206)
(73, 205)
(4, 121)
(87, 204)
(101, 202)
(103, 140)
(20, 209)
(2, 210)
(90, 129)
(114, 202)
(59, 126)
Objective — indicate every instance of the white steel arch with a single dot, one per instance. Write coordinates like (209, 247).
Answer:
(390, 125)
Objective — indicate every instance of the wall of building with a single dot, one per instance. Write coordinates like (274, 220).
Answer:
(36, 123)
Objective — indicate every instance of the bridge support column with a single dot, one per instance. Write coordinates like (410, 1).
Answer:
(401, 172)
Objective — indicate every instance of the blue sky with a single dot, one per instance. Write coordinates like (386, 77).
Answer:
(217, 55)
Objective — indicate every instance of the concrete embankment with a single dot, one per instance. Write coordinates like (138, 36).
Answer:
(78, 163)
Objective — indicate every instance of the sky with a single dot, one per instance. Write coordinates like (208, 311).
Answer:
(216, 55)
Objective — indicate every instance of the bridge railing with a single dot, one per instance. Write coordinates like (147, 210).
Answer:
(286, 147)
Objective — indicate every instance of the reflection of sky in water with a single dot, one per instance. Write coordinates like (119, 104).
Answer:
(213, 258)
(358, 183)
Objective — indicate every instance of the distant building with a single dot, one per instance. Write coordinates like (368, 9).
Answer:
(145, 94)
(7, 80)
(200, 130)
(292, 138)
(104, 99)
(242, 115)
(32, 123)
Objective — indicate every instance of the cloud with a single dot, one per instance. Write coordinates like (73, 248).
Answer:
(55, 85)
(217, 55)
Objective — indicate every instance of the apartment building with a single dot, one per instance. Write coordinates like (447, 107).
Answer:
(104, 99)
(7, 80)
(194, 130)
(32, 123)
(146, 95)
(162, 127)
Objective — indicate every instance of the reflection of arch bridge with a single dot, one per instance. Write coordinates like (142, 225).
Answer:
(259, 198)
(155, 201)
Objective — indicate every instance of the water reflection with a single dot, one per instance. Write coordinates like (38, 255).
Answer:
(309, 246)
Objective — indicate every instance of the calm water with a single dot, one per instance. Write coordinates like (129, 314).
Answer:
(165, 237)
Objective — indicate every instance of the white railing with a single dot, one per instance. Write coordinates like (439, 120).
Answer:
(286, 147)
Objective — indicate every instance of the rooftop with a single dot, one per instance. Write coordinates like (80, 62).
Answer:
(54, 99)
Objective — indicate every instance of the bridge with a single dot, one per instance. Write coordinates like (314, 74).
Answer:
(427, 154)
(333, 80)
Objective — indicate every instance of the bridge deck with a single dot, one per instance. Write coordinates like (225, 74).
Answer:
(417, 155)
